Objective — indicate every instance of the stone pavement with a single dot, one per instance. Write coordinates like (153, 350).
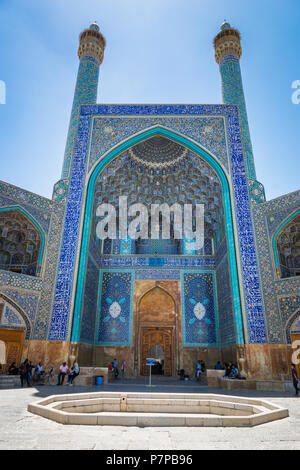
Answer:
(20, 429)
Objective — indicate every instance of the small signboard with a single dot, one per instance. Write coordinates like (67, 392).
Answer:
(150, 361)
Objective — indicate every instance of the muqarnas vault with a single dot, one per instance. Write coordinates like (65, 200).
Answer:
(65, 293)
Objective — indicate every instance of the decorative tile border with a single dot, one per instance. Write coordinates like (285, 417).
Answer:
(207, 131)
(157, 275)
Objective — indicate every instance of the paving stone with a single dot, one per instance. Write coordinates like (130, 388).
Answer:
(22, 430)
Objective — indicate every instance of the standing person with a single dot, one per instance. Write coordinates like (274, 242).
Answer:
(50, 375)
(198, 370)
(295, 378)
(29, 367)
(23, 373)
(38, 372)
(115, 368)
(63, 370)
(123, 368)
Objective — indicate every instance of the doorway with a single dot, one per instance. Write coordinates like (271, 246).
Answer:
(157, 343)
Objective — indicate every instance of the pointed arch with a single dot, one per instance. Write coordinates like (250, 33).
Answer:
(228, 207)
(21, 312)
(289, 325)
(36, 225)
(151, 291)
(277, 233)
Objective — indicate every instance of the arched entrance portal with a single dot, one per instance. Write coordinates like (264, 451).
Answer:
(156, 167)
(156, 324)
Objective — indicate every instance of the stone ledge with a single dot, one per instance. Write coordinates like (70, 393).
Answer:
(110, 408)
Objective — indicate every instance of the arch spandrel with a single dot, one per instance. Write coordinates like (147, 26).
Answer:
(156, 306)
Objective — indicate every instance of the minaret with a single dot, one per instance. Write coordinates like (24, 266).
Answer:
(90, 53)
(228, 51)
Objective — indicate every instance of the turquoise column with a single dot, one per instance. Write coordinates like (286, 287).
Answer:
(227, 53)
(90, 53)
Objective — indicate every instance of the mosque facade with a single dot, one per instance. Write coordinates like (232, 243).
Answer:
(66, 294)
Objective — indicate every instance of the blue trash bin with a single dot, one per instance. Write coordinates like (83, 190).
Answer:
(99, 380)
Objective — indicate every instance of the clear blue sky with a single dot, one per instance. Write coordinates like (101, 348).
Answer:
(158, 51)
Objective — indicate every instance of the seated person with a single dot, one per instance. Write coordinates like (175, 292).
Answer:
(227, 370)
(38, 372)
(218, 366)
(74, 372)
(13, 370)
(234, 373)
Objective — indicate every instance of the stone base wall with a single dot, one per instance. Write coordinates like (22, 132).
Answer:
(49, 353)
(259, 361)
(190, 356)
(267, 361)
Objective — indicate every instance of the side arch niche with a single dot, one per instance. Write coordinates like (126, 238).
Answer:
(286, 246)
(21, 242)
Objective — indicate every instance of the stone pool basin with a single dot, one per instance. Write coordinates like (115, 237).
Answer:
(157, 409)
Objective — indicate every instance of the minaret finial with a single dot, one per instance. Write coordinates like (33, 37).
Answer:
(95, 26)
(92, 43)
(227, 42)
(225, 25)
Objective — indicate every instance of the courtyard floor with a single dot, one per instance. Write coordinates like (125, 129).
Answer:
(20, 429)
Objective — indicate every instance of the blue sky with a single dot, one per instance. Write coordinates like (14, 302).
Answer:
(158, 51)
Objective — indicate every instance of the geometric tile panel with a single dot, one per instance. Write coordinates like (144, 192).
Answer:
(115, 309)
(200, 323)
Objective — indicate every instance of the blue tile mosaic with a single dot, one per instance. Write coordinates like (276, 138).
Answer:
(115, 310)
(199, 314)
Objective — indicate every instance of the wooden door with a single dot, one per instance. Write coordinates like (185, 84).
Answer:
(156, 339)
(13, 340)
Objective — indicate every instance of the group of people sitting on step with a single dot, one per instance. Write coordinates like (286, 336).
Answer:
(30, 373)
(231, 371)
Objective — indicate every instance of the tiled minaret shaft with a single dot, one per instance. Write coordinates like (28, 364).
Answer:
(90, 53)
(227, 54)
